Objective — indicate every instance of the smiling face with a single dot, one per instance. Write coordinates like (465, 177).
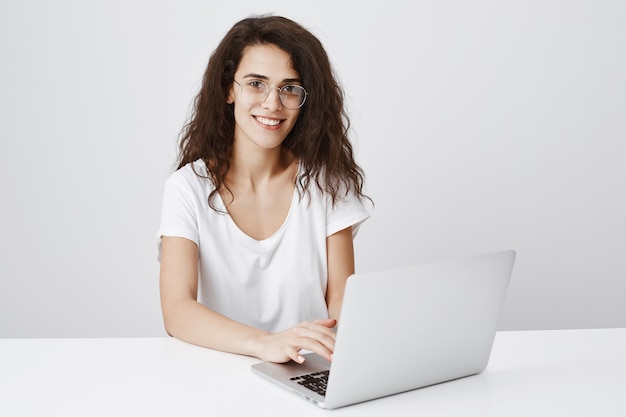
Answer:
(267, 123)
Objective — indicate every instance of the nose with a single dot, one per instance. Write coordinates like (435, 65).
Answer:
(272, 101)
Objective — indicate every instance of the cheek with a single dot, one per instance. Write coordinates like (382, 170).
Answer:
(241, 114)
(296, 116)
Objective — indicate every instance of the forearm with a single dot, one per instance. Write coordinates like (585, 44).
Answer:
(187, 319)
(192, 322)
(334, 307)
(340, 267)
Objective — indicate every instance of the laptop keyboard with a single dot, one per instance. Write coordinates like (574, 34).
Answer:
(315, 382)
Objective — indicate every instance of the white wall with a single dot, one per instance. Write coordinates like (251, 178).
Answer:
(481, 125)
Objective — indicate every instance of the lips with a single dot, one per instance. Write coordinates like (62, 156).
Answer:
(268, 122)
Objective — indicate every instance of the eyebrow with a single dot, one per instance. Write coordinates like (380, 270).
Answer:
(265, 77)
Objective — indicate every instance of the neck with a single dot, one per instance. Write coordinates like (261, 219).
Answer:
(258, 166)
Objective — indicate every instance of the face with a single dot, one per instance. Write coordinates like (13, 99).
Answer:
(263, 124)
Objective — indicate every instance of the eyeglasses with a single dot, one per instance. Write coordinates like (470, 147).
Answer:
(291, 96)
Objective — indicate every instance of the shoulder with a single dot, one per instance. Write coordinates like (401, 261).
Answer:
(189, 183)
(196, 169)
(347, 210)
(194, 174)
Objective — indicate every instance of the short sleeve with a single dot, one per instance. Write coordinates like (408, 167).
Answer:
(178, 211)
(349, 211)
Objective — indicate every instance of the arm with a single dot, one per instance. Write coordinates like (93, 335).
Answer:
(340, 255)
(187, 319)
(183, 316)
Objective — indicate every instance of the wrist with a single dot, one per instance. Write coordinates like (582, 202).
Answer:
(257, 343)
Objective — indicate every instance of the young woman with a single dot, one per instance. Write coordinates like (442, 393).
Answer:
(255, 241)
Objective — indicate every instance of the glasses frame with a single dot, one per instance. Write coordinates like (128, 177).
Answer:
(280, 93)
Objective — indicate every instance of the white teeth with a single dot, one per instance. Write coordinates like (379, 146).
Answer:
(269, 122)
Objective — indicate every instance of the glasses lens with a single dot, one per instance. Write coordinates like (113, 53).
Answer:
(255, 91)
(292, 96)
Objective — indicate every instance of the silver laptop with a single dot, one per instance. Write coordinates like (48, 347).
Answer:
(404, 329)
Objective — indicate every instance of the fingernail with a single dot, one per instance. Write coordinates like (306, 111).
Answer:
(300, 359)
(332, 356)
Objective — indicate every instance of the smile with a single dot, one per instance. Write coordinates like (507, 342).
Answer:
(268, 122)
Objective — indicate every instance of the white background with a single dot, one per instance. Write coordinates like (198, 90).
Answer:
(481, 126)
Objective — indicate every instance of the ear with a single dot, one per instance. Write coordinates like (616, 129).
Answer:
(231, 96)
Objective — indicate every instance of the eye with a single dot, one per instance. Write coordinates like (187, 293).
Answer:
(291, 89)
(257, 85)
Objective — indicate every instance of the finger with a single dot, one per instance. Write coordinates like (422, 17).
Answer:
(330, 323)
(315, 342)
(316, 333)
(325, 326)
(319, 349)
(295, 355)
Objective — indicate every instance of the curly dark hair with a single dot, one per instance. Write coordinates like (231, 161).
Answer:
(319, 137)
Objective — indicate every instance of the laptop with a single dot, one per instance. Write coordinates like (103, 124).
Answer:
(404, 329)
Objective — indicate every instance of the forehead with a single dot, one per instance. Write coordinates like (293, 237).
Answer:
(267, 60)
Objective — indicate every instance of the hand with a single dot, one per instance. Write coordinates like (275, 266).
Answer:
(316, 336)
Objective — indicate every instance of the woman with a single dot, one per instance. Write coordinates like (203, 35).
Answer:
(258, 220)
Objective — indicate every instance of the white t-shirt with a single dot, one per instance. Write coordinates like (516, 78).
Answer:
(271, 284)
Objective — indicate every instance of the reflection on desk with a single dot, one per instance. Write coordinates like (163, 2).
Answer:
(531, 373)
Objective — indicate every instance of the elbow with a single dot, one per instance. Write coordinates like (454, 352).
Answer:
(178, 317)
(169, 322)
(167, 331)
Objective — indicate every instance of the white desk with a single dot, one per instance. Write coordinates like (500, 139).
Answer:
(540, 373)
